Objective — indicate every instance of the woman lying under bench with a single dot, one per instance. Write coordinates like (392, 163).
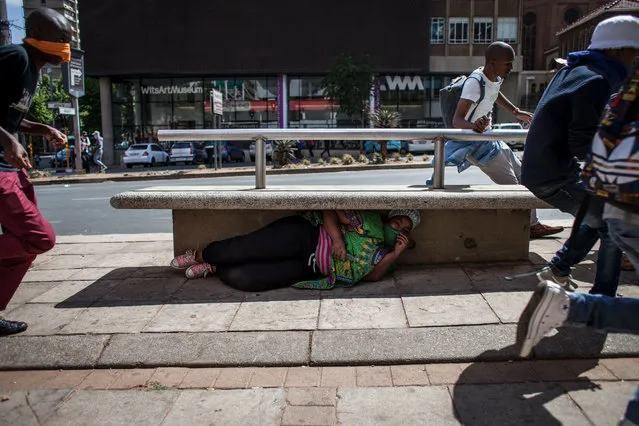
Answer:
(318, 250)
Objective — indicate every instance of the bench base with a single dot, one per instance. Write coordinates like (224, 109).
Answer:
(444, 236)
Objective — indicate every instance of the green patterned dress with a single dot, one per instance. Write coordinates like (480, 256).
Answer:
(364, 241)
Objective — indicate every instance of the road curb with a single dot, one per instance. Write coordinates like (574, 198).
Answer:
(223, 173)
(490, 342)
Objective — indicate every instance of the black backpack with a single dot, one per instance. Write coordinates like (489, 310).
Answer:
(449, 97)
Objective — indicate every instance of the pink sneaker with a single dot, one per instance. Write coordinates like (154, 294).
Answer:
(199, 270)
(184, 261)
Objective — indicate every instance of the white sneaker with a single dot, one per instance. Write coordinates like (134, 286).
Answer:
(566, 282)
(547, 309)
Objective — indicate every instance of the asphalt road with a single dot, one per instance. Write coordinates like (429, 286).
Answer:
(84, 208)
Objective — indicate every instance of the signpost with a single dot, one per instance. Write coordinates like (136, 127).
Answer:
(73, 80)
(55, 105)
(217, 110)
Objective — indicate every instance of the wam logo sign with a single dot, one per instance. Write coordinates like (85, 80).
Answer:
(398, 82)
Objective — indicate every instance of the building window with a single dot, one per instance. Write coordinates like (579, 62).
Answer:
(529, 50)
(482, 30)
(507, 30)
(437, 26)
(458, 31)
(571, 15)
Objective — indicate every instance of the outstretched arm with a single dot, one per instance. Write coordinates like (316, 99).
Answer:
(14, 153)
(503, 102)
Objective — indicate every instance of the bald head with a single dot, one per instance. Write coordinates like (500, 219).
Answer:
(499, 50)
(48, 25)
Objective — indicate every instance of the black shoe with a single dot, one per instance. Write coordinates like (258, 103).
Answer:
(11, 327)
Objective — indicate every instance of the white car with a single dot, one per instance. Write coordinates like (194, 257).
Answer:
(269, 151)
(421, 146)
(183, 151)
(147, 154)
(519, 144)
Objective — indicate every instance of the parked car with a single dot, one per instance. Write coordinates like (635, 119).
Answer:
(420, 146)
(511, 126)
(147, 154)
(228, 151)
(374, 146)
(269, 151)
(62, 158)
(182, 151)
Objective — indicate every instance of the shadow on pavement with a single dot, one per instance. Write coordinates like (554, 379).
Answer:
(517, 393)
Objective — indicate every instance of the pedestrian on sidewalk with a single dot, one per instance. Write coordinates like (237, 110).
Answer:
(310, 145)
(561, 134)
(85, 152)
(551, 306)
(327, 149)
(316, 250)
(474, 112)
(25, 232)
(99, 149)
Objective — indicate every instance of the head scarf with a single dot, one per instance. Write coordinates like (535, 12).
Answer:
(413, 215)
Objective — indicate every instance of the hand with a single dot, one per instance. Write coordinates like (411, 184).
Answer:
(57, 138)
(402, 244)
(16, 155)
(339, 250)
(481, 124)
(524, 116)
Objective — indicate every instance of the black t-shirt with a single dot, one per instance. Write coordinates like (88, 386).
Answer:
(18, 83)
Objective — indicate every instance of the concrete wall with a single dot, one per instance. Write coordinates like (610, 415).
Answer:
(445, 236)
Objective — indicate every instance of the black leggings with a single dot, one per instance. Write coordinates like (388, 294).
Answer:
(271, 257)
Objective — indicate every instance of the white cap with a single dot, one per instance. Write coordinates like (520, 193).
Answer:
(616, 33)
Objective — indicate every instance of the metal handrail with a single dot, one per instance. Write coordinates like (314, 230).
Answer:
(262, 135)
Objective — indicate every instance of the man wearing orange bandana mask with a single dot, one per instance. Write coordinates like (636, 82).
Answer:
(25, 232)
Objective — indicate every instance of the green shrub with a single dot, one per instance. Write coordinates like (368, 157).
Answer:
(335, 161)
(362, 159)
(347, 159)
(283, 153)
(306, 162)
(397, 156)
(410, 157)
(321, 162)
(378, 158)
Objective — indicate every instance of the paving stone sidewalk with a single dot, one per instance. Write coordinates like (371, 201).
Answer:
(569, 392)
(110, 301)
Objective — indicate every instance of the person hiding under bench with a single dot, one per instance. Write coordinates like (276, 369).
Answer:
(316, 250)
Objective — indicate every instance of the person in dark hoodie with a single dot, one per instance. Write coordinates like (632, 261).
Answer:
(25, 232)
(561, 135)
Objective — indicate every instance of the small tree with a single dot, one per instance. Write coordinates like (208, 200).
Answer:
(283, 153)
(349, 83)
(90, 107)
(385, 119)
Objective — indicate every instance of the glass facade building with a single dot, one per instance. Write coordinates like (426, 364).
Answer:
(142, 106)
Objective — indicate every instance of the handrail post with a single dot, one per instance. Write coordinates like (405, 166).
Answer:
(440, 162)
(260, 163)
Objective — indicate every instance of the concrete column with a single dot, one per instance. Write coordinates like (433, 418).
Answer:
(282, 101)
(106, 108)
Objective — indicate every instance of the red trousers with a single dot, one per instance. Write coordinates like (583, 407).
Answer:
(25, 232)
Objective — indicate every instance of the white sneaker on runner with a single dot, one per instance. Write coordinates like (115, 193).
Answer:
(566, 282)
(547, 309)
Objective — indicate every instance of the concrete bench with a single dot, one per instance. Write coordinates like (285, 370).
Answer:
(459, 223)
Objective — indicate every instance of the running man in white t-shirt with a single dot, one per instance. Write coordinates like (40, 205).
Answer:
(494, 158)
